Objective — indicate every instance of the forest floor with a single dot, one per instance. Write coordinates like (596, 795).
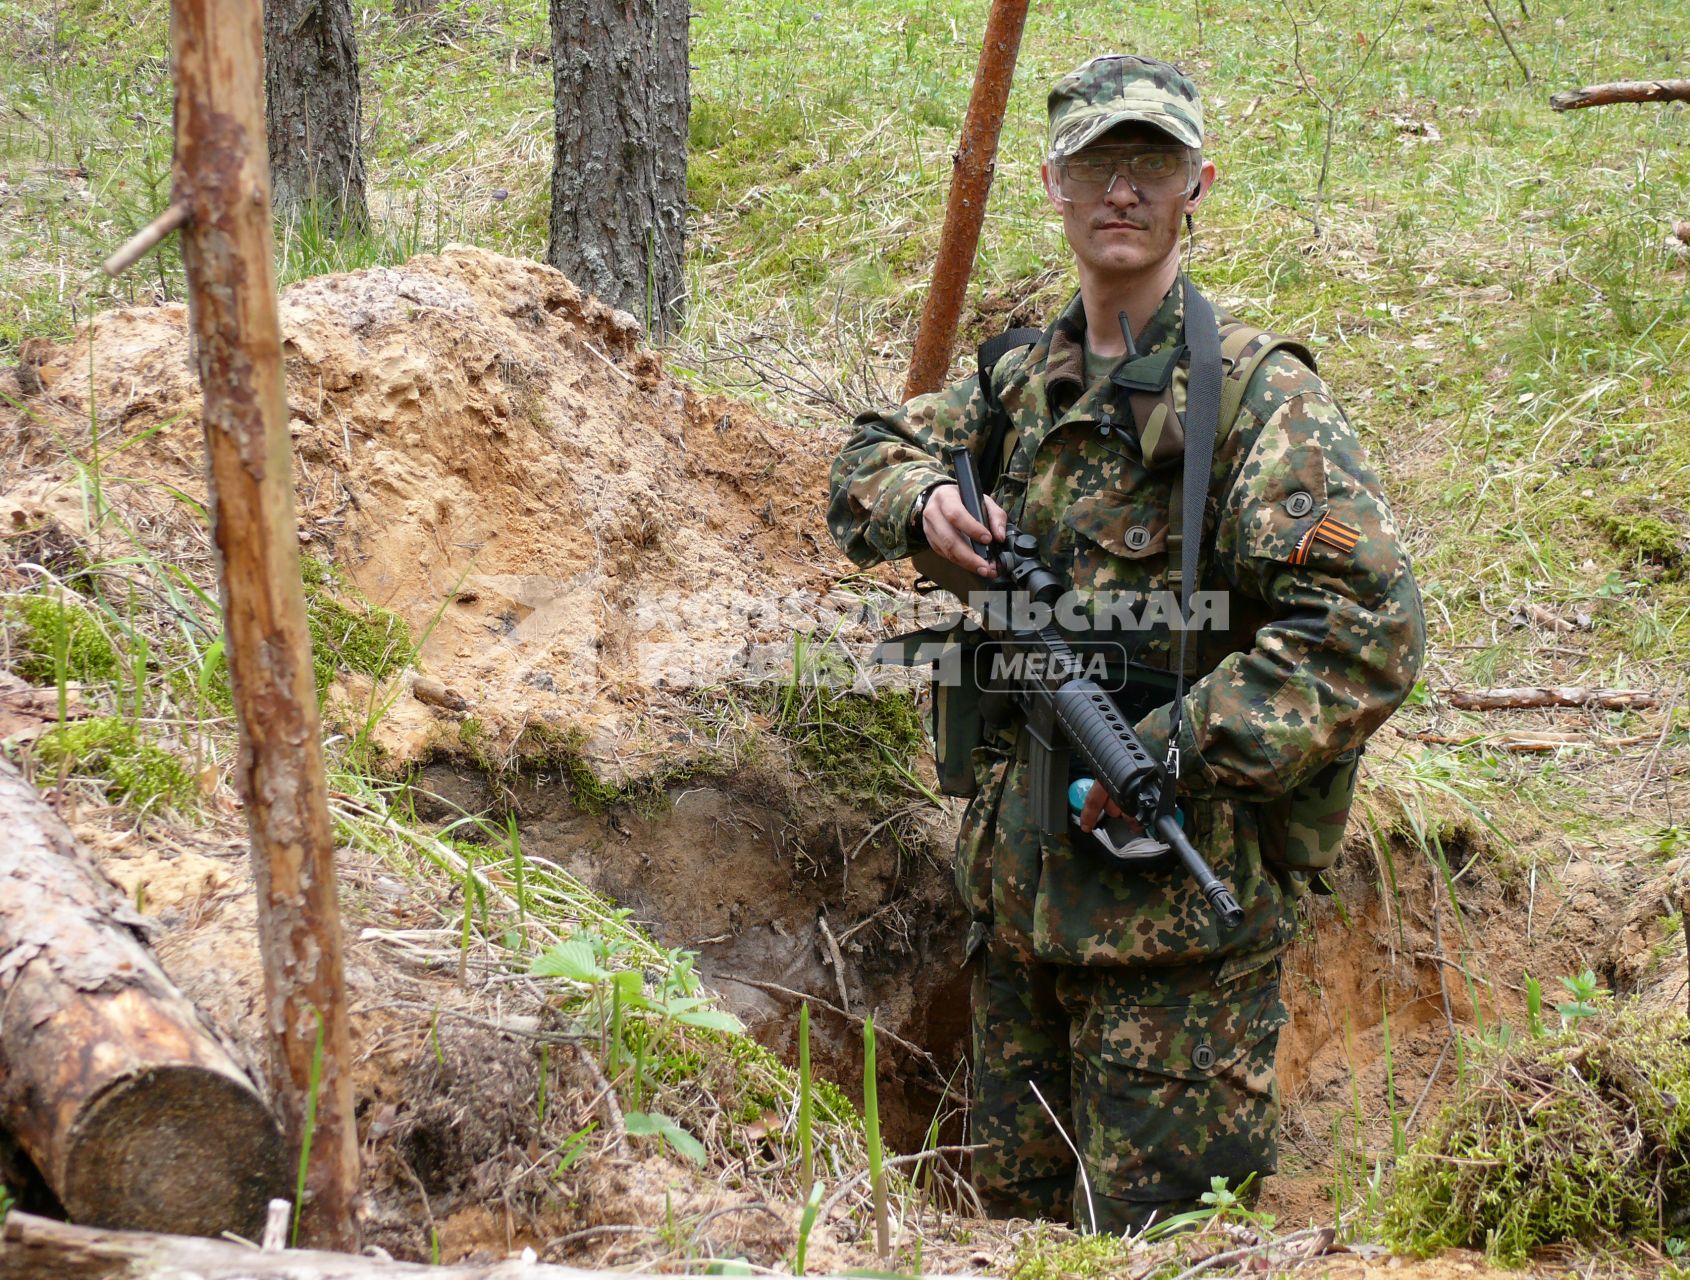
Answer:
(574, 604)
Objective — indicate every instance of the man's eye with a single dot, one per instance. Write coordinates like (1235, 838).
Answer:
(1091, 168)
(1154, 165)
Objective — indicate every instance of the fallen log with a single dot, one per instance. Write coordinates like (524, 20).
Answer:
(1604, 95)
(134, 1112)
(1552, 696)
(32, 1247)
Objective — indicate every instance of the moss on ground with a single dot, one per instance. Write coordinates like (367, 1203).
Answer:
(1041, 1254)
(1579, 1136)
(348, 633)
(769, 1085)
(1647, 537)
(862, 750)
(48, 628)
(140, 773)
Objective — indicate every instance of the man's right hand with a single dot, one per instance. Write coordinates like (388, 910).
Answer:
(949, 528)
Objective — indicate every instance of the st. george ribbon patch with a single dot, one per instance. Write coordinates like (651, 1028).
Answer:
(1334, 533)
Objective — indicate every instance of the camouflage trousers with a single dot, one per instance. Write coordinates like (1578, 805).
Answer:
(1163, 1081)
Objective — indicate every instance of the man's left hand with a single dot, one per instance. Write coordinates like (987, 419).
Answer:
(1097, 804)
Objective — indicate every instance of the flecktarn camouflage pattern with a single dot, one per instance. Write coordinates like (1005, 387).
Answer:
(1121, 89)
(1323, 639)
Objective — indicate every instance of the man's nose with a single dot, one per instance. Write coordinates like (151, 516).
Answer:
(1122, 193)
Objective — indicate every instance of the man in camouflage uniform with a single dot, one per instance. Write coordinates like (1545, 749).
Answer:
(1148, 1029)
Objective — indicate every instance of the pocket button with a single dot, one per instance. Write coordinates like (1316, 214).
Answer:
(1202, 1057)
(1298, 505)
(1137, 538)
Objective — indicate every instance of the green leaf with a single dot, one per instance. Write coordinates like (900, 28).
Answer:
(642, 1124)
(712, 1020)
(573, 959)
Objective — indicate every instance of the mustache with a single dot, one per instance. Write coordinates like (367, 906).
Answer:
(1116, 220)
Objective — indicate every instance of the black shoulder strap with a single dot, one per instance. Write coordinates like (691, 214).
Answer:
(991, 351)
(1202, 425)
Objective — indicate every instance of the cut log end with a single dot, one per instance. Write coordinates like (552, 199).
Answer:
(177, 1149)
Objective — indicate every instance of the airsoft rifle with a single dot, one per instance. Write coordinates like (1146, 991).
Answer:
(1068, 714)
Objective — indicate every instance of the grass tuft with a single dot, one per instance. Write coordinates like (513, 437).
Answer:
(1575, 1137)
(52, 629)
(349, 634)
(1052, 1253)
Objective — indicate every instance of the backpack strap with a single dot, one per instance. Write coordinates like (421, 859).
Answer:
(1244, 347)
(990, 463)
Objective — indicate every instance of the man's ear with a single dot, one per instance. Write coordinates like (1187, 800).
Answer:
(1205, 180)
(1056, 200)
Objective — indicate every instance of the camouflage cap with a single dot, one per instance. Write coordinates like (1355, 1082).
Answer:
(1123, 89)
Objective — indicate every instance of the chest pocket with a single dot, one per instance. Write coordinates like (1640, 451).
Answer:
(1119, 541)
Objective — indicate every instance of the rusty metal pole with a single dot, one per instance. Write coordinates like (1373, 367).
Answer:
(971, 182)
(222, 179)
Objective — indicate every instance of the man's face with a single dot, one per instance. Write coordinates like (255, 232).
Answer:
(1131, 228)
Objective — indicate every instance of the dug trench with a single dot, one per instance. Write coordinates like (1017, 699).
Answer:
(787, 898)
(790, 896)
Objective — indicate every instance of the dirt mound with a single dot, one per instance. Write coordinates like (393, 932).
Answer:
(490, 454)
(582, 544)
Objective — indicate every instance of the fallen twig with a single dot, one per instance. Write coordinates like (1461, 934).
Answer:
(1231, 1256)
(1552, 696)
(1527, 742)
(838, 959)
(881, 1032)
(895, 1162)
(607, 1096)
(1603, 95)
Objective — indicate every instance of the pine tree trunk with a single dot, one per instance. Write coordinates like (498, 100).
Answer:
(619, 178)
(312, 107)
(130, 1107)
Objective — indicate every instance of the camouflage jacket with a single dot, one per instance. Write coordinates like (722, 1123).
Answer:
(1325, 633)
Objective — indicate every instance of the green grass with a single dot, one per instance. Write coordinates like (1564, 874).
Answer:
(1492, 302)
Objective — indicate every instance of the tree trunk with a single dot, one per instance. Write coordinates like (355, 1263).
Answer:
(965, 209)
(619, 177)
(228, 250)
(311, 108)
(130, 1107)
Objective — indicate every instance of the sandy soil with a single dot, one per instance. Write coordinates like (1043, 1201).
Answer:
(494, 457)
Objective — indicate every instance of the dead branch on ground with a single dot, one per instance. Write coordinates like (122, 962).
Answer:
(1605, 95)
(1552, 696)
(133, 1110)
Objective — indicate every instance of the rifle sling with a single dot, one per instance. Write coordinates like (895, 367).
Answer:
(1202, 425)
